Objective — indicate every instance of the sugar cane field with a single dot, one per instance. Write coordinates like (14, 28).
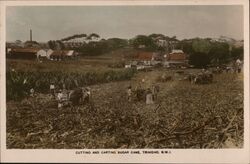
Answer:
(182, 114)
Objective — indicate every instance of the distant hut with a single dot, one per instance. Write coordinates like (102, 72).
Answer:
(25, 53)
(58, 55)
(176, 58)
(44, 54)
(145, 57)
(148, 58)
(69, 53)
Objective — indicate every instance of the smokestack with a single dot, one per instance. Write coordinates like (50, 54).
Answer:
(30, 35)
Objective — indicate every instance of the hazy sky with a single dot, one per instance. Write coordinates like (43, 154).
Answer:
(51, 23)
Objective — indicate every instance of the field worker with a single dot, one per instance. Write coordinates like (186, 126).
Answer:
(139, 91)
(32, 91)
(89, 92)
(52, 89)
(143, 83)
(86, 95)
(228, 69)
(238, 65)
(76, 95)
(137, 88)
(217, 69)
(129, 93)
(64, 86)
(62, 98)
(149, 97)
(155, 90)
(59, 97)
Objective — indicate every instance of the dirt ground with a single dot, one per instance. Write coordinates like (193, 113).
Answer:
(184, 115)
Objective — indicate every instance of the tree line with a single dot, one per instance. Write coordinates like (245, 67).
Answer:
(85, 36)
(92, 47)
(201, 51)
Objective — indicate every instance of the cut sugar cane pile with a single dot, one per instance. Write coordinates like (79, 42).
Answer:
(183, 116)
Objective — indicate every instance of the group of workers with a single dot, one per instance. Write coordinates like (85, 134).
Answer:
(238, 65)
(72, 97)
(66, 97)
(148, 95)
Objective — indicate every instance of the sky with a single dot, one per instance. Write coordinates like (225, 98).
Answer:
(57, 22)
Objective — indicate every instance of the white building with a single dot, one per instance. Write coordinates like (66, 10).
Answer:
(48, 53)
(69, 53)
(44, 53)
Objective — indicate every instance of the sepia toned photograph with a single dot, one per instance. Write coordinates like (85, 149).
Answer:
(125, 77)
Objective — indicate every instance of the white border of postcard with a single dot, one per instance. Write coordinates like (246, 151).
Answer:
(176, 155)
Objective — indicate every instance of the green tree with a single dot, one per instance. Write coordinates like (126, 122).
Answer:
(237, 53)
(114, 43)
(144, 40)
(61, 44)
(187, 47)
(199, 54)
(219, 53)
(199, 59)
(52, 44)
(93, 48)
(201, 46)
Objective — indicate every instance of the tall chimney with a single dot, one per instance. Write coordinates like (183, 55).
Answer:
(30, 35)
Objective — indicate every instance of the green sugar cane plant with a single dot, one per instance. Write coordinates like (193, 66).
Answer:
(18, 84)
